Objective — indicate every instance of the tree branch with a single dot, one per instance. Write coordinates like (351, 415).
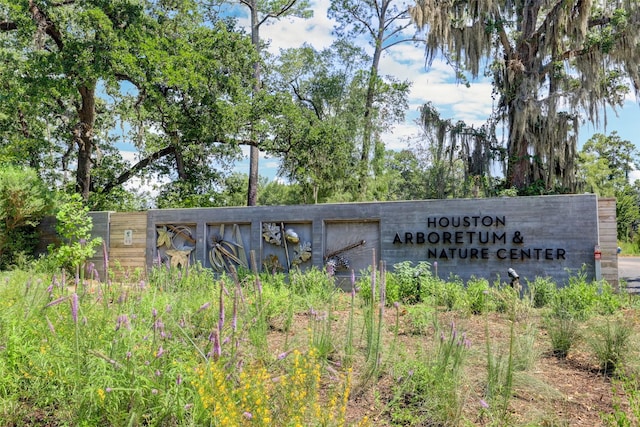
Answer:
(278, 14)
(8, 26)
(128, 174)
(45, 24)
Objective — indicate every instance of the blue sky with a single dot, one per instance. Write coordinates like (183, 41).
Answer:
(436, 84)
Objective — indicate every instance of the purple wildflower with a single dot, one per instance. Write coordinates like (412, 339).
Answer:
(258, 285)
(128, 355)
(108, 389)
(154, 391)
(154, 313)
(74, 307)
(484, 404)
(105, 256)
(160, 352)
(204, 306)
(216, 350)
(51, 328)
(247, 415)
(281, 356)
(221, 314)
(179, 379)
(234, 317)
(122, 321)
(56, 302)
(188, 406)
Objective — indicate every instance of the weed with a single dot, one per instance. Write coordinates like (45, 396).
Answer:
(610, 343)
(564, 334)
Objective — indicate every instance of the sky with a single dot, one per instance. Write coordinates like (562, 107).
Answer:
(435, 84)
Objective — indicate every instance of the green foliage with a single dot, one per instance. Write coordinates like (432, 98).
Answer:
(626, 401)
(24, 201)
(563, 333)
(74, 228)
(578, 300)
(407, 283)
(186, 347)
(610, 342)
(542, 291)
(314, 285)
(453, 294)
(609, 301)
(420, 318)
(429, 388)
(627, 213)
(478, 296)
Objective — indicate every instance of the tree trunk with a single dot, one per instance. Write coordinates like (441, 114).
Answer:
(368, 120)
(254, 151)
(84, 138)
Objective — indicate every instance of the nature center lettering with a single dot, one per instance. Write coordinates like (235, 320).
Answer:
(479, 237)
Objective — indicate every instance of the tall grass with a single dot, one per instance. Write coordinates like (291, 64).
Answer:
(185, 347)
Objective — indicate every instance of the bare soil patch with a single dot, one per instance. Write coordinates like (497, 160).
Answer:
(549, 392)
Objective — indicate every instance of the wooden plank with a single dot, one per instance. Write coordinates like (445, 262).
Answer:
(128, 241)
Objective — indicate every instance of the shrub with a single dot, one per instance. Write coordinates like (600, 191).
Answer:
(577, 300)
(24, 201)
(408, 284)
(542, 291)
(477, 296)
(610, 343)
(609, 301)
(74, 228)
(563, 333)
(420, 318)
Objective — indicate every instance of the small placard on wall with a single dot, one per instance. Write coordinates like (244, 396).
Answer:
(128, 237)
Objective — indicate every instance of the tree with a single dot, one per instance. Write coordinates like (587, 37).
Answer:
(382, 22)
(177, 87)
(551, 62)
(315, 135)
(188, 120)
(63, 50)
(615, 157)
(320, 129)
(456, 156)
(605, 164)
(261, 12)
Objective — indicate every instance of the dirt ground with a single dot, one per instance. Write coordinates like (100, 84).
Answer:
(549, 392)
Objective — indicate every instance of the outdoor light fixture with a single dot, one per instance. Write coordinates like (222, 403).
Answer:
(515, 278)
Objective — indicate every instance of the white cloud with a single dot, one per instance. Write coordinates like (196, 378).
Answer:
(435, 83)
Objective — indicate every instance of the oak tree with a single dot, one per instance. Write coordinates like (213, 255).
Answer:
(553, 63)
